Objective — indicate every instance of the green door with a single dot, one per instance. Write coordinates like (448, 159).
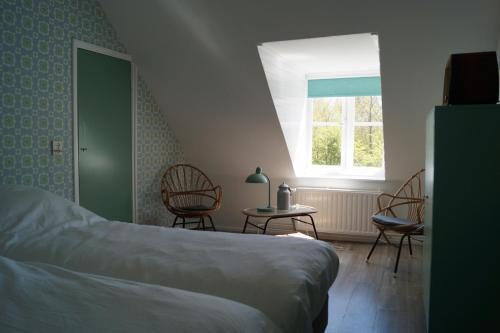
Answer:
(104, 134)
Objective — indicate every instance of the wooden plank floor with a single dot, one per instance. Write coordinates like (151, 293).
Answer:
(367, 297)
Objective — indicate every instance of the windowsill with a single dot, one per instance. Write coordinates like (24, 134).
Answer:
(342, 177)
(344, 182)
(332, 172)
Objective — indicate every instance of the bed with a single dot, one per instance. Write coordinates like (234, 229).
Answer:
(44, 298)
(285, 278)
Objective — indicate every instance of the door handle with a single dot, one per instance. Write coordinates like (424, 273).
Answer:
(83, 149)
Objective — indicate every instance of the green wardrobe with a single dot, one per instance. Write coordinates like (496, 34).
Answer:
(462, 219)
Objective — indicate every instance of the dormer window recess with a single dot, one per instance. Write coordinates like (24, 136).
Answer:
(328, 96)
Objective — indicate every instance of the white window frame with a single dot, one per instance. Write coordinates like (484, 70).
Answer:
(346, 169)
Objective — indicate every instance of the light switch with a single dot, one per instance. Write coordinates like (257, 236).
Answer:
(57, 147)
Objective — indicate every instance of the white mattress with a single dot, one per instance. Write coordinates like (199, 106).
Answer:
(285, 278)
(44, 298)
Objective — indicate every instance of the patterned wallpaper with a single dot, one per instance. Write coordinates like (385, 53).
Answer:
(153, 158)
(36, 100)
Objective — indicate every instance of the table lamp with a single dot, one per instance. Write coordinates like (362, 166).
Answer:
(260, 178)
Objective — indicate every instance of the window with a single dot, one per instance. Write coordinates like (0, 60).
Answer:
(327, 96)
(346, 131)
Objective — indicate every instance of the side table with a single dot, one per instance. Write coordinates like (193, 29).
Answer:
(293, 213)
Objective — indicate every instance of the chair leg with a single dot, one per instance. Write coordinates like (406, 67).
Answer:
(399, 253)
(175, 221)
(374, 245)
(202, 223)
(386, 238)
(183, 223)
(211, 222)
(409, 245)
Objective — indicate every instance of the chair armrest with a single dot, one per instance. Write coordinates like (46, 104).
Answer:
(218, 196)
(408, 201)
(394, 198)
(165, 196)
(217, 190)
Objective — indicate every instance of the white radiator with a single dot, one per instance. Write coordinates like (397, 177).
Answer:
(340, 212)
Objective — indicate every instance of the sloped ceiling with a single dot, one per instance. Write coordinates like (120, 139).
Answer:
(206, 74)
(355, 54)
(201, 61)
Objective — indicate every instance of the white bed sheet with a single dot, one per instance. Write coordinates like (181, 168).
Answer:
(286, 278)
(44, 298)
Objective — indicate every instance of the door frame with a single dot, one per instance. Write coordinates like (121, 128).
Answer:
(78, 44)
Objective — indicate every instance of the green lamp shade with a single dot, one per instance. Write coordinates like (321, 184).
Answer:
(257, 177)
(260, 178)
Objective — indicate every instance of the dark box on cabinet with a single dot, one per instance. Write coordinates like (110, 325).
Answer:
(471, 78)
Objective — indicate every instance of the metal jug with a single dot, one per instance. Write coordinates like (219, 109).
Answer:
(284, 197)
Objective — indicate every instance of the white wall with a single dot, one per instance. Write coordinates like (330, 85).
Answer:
(288, 88)
(201, 60)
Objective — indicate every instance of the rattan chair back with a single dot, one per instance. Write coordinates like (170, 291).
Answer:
(407, 202)
(185, 187)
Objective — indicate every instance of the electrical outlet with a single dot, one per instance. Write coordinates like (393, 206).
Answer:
(57, 147)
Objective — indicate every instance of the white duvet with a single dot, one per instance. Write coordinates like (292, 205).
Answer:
(285, 278)
(44, 298)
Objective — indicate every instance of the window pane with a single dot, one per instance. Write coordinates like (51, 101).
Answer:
(368, 108)
(327, 109)
(368, 146)
(326, 144)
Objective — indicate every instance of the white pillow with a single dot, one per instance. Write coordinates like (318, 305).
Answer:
(28, 207)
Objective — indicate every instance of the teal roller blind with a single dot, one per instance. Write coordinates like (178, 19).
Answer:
(344, 87)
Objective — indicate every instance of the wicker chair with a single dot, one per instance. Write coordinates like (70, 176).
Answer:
(188, 193)
(408, 201)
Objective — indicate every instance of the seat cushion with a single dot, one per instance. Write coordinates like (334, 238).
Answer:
(196, 208)
(390, 221)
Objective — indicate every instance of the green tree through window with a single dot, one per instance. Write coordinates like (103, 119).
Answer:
(326, 145)
(368, 137)
(348, 128)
